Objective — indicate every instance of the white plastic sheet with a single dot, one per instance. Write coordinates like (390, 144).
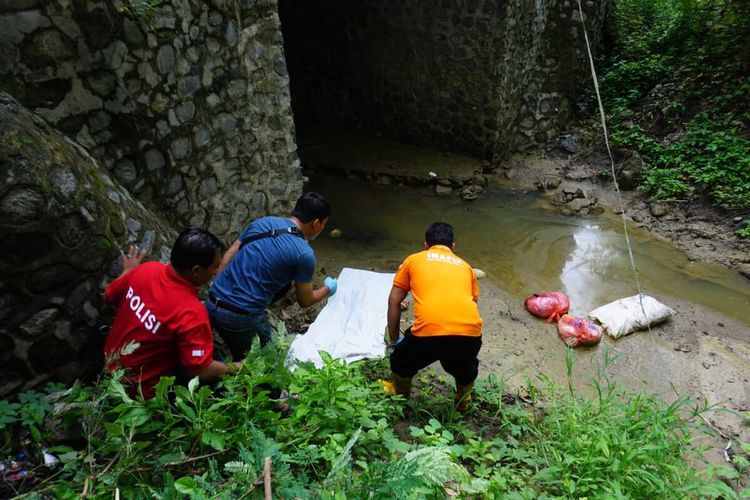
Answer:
(352, 324)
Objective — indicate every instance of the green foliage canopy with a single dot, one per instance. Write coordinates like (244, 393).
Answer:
(682, 68)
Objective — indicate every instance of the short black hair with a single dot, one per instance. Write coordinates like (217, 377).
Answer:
(439, 233)
(194, 247)
(311, 206)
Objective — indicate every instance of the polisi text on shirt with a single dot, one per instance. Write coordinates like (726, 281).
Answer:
(137, 306)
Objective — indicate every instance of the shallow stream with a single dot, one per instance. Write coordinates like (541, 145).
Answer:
(523, 247)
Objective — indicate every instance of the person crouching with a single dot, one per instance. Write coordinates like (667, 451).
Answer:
(158, 308)
(447, 326)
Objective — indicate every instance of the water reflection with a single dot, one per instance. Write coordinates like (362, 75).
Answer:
(584, 276)
(522, 248)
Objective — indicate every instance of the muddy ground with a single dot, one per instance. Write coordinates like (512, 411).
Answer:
(699, 353)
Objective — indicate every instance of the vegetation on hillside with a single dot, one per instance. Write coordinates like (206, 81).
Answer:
(675, 80)
(343, 438)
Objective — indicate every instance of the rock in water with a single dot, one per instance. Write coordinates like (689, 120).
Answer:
(471, 192)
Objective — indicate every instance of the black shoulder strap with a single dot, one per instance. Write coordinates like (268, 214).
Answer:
(271, 234)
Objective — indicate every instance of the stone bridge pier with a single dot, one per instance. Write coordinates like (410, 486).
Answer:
(481, 77)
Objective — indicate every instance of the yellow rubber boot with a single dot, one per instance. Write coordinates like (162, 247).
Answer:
(388, 387)
(402, 384)
(463, 396)
(397, 385)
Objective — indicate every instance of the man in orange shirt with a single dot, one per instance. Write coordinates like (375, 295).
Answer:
(447, 325)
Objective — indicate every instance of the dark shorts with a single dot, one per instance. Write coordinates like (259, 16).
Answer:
(457, 355)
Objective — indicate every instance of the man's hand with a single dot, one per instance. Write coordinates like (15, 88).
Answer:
(392, 346)
(331, 284)
(131, 259)
(215, 370)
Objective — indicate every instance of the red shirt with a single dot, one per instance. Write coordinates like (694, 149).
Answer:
(160, 311)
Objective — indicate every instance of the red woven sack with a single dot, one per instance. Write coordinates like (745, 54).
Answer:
(550, 305)
(575, 331)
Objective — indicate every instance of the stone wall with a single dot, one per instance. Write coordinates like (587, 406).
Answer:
(187, 106)
(475, 76)
(62, 221)
(415, 71)
(561, 65)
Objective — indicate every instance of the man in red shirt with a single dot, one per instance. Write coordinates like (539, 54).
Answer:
(158, 308)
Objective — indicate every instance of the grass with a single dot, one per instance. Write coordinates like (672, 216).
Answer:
(345, 439)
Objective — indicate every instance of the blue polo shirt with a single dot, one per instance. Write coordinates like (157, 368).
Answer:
(262, 267)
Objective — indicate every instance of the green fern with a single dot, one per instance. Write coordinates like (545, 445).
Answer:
(343, 459)
(285, 484)
(236, 467)
(435, 466)
(261, 446)
(209, 489)
(419, 473)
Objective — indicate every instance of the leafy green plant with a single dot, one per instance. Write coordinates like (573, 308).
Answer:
(241, 476)
(8, 413)
(140, 9)
(643, 27)
(711, 157)
(433, 434)
(744, 232)
(420, 473)
(628, 81)
(741, 462)
(338, 400)
(635, 440)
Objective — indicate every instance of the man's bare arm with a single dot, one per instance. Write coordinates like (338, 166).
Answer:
(395, 298)
(306, 296)
(228, 256)
(215, 370)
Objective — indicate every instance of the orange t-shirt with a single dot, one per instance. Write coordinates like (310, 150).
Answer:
(445, 291)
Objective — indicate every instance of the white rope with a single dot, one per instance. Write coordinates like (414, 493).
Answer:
(633, 267)
(625, 227)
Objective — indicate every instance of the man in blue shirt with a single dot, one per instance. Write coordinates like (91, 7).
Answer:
(258, 269)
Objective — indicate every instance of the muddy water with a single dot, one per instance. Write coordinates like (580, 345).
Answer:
(524, 248)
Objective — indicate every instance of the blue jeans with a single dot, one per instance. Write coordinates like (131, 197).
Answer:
(238, 330)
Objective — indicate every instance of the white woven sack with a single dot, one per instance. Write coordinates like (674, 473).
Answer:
(625, 316)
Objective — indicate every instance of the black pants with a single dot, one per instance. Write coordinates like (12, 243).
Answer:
(457, 355)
